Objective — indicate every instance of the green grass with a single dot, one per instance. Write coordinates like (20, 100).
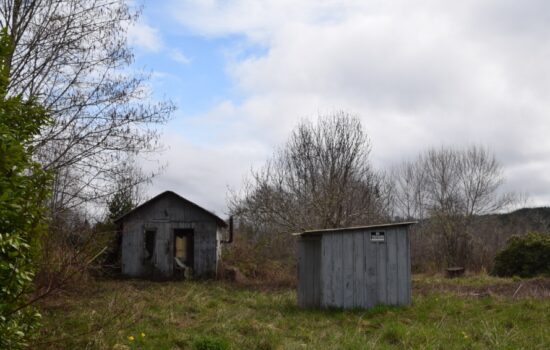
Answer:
(213, 315)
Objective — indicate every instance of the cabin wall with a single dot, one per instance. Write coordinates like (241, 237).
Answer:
(356, 272)
(132, 249)
(163, 216)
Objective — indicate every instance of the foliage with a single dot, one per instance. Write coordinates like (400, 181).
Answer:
(23, 191)
(120, 203)
(176, 314)
(525, 256)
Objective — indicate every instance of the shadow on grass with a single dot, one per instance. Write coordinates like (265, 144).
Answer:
(290, 308)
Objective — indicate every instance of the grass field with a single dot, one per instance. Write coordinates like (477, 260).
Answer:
(467, 313)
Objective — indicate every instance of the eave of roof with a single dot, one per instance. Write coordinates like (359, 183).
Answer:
(219, 220)
(354, 228)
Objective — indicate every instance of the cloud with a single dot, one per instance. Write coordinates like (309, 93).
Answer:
(419, 74)
(203, 173)
(179, 56)
(145, 37)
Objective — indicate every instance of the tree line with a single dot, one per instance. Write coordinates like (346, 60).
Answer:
(322, 178)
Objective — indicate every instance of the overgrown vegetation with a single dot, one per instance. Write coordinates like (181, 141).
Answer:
(524, 256)
(214, 315)
(322, 178)
(268, 262)
(73, 58)
(23, 193)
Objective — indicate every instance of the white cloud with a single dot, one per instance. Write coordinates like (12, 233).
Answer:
(204, 173)
(419, 74)
(145, 37)
(179, 56)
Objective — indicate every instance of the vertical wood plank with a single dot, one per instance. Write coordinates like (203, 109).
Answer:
(197, 251)
(337, 275)
(168, 242)
(317, 273)
(309, 251)
(348, 273)
(392, 268)
(371, 271)
(402, 266)
(326, 270)
(381, 276)
(408, 260)
(358, 270)
(126, 251)
(301, 272)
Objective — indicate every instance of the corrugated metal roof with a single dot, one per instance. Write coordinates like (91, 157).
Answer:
(344, 229)
(219, 220)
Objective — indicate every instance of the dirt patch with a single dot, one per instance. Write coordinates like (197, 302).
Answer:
(538, 288)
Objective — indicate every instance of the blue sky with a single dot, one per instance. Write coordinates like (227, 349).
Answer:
(187, 68)
(419, 74)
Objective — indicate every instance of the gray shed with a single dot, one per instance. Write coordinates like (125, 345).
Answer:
(170, 236)
(355, 267)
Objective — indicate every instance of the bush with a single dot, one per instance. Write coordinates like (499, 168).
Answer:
(23, 194)
(524, 256)
(268, 261)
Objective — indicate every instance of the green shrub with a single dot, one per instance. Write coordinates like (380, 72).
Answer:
(210, 343)
(524, 256)
(23, 193)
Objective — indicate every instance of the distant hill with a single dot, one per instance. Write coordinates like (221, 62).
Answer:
(516, 222)
(524, 219)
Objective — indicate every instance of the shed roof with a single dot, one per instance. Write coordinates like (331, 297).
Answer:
(219, 220)
(354, 228)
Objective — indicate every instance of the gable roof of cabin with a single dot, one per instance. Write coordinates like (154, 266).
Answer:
(219, 220)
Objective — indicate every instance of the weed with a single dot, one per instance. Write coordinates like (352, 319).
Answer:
(215, 315)
(210, 343)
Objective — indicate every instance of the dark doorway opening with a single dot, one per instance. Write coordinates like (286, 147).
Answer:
(184, 247)
(150, 239)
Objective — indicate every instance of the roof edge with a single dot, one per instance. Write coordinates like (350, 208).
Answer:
(219, 220)
(353, 228)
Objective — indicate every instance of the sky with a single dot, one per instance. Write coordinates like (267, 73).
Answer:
(419, 74)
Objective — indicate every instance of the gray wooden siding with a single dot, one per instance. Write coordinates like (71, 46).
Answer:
(309, 276)
(353, 271)
(164, 215)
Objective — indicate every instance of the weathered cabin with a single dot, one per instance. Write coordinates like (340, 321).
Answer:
(356, 267)
(169, 237)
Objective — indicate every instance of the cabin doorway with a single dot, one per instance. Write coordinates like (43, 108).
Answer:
(183, 249)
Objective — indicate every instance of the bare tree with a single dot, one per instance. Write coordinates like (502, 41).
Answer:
(450, 187)
(321, 178)
(72, 56)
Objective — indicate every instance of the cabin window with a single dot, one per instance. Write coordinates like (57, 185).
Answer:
(150, 238)
(379, 236)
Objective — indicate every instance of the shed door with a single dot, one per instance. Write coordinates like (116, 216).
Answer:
(184, 246)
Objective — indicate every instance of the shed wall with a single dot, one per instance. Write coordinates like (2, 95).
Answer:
(353, 270)
(309, 272)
